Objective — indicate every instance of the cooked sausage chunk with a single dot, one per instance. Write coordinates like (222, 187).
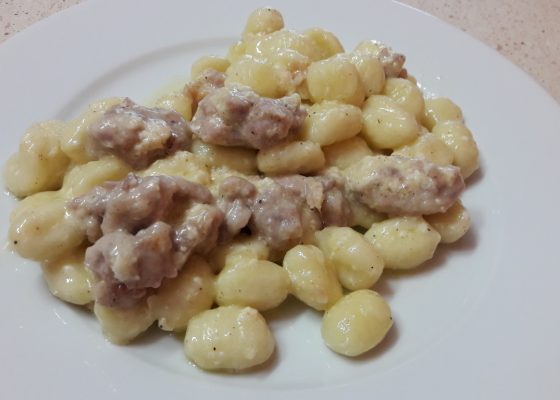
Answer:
(281, 216)
(208, 82)
(335, 209)
(126, 265)
(281, 211)
(400, 185)
(236, 198)
(237, 116)
(139, 240)
(198, 231)
(138, 135)
(133, 203)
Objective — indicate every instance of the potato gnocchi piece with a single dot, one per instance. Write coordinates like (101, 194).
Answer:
(40, 228)
(74, 136)
(439, 110)
(241, 249)
(80, 179)
(236, 51)
(407, 95)
(263, 21)
(392, 62)
(68, 279)
(299, 157)
(208, 62)
(386, 124)
(356, 261)
(356, 323)
(325, 43)
(178, 102)
(283, 46)
(461, 142)
(335, 78)
(286, 49)
(371, 72)
(347, 152)
(179, 299)
(427, 146)
(259, 284)
(40, 163)
(330, 122)
(403, 242)
(363, 216)
(264, 77)
(228, 338)
(453, 224)
(121, 325)
(313, 281)
(184, 164)
(236, 158)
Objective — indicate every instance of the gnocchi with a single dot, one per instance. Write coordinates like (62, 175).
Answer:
(40, 163)
(176, 102)
(406, 94)
(461, 142)
(259, 284)
(356, 261)
(68, 279)
(313, 281)
(300, 157)
(453, 224)
(371, 72)
(403, 242)
(343, 154)
(329, 122)
(228, 337)
(386, 124)
(208, 62)
(81, 178)
(178, 300)
(121, 325)
(356, 323)
(428, 146)
(40, 228)
(335, 78)
(265, 78)
(438, 110)
(248, 196)
(209, 155)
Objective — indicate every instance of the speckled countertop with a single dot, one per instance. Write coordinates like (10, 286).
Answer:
(526, 32)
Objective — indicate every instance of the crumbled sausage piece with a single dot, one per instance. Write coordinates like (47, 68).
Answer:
(208, 82)
(236, 198)
(136, 245)
(133, 203)
(126, 266)
(281, 211)
(237, 116)
(138, 135)
(404, 186)
(279, 215)
(335, 209)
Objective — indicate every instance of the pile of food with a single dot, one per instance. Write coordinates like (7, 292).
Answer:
(287, 167)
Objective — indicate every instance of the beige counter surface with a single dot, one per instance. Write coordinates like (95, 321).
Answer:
(526, 32)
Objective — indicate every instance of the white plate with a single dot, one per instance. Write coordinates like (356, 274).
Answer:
(480, 321)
